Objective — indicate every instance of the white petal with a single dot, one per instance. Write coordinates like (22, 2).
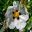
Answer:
(20, 25)
(24, 17)
(12, 26)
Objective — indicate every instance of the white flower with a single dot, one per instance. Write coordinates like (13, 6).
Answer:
(19, 24)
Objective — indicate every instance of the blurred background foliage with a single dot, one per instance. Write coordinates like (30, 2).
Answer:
(3, 7)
